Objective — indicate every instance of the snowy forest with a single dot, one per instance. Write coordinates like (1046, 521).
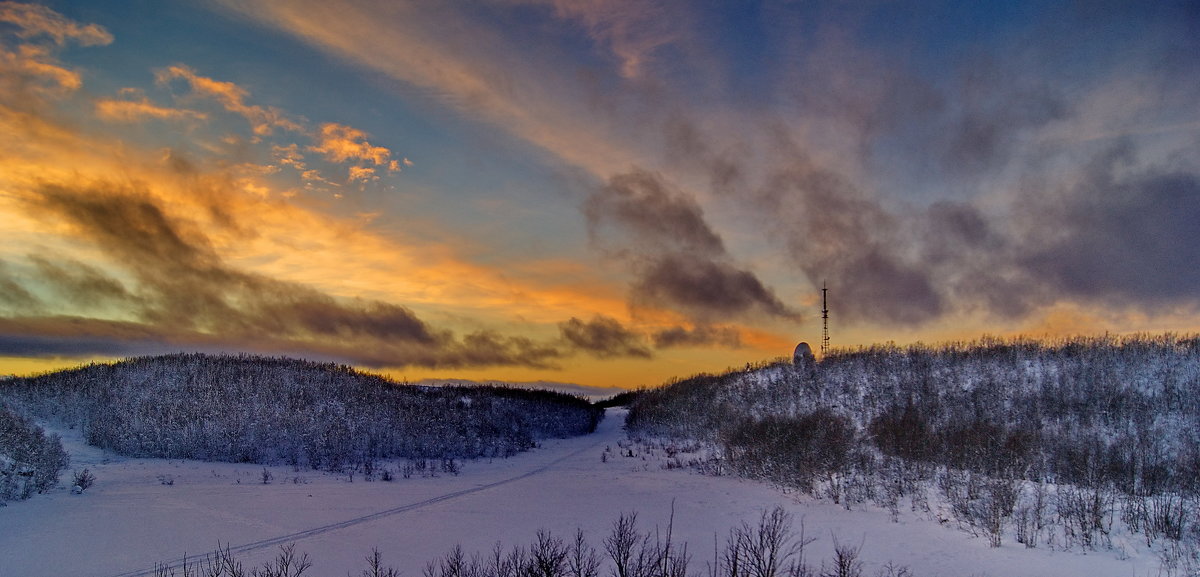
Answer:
(1052, 444)
(283, 411)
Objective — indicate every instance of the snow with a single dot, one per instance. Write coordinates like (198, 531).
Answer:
(130, 519)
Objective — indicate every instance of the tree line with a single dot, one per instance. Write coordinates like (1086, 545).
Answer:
(266, 410)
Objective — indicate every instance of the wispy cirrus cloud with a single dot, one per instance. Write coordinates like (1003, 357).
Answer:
(632, 30)
(461, 61)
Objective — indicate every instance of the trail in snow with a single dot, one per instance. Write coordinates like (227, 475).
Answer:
(299, 536)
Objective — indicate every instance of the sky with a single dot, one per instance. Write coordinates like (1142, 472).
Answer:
(601, 192)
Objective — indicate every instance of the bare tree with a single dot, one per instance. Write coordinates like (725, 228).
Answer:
(845, 560)
(376, 568)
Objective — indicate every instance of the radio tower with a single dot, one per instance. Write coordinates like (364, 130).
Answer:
(824, 319)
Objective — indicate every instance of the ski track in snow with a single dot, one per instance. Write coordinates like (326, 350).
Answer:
(301, 535)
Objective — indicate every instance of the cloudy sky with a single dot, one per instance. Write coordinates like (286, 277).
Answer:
(606, 192)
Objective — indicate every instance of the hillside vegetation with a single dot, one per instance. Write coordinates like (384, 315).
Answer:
(278, 410)
(30, 460)
(1051, 443)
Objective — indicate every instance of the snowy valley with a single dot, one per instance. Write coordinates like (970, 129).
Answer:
(917, 462)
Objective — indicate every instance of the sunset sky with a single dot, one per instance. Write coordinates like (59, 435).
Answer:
(603, 192)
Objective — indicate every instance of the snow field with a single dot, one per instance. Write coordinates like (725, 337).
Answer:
(130, 519)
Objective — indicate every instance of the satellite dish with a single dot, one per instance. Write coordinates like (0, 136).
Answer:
(803, 355)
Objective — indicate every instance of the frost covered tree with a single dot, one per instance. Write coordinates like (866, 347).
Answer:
(30, 461)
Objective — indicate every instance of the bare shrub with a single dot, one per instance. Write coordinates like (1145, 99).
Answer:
(83, 479)
(1031, 517)
(1086, 514)
(222, 563)
(792, 451)
(996, 507)
(770, 549)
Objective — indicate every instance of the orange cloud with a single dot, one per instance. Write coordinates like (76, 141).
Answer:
(253, 254)
(263, 119)
(243, 220)
(114, 110)
(290, 156)
(34, 68)
(340, 143)
(30, 71)
(362, 173)
(35, 20)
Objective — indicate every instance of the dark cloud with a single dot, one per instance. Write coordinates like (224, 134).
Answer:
(38, 346)
(488, 348)
(679, 261)
(183, 294)
(872, 181)
(698, 336)
(954, 224)
(1123, 235)
(883, 266)
(875, 286)
(995, 106)
(837, 233)
(130, 225)
(80, 283)
(708, 289)
(73, 337)
(653, 212)
(968, 259)
(919, 192)
(687, 146)
(1120, 235)
(604, 338)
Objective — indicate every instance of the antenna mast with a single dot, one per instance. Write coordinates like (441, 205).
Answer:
(824, 319)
